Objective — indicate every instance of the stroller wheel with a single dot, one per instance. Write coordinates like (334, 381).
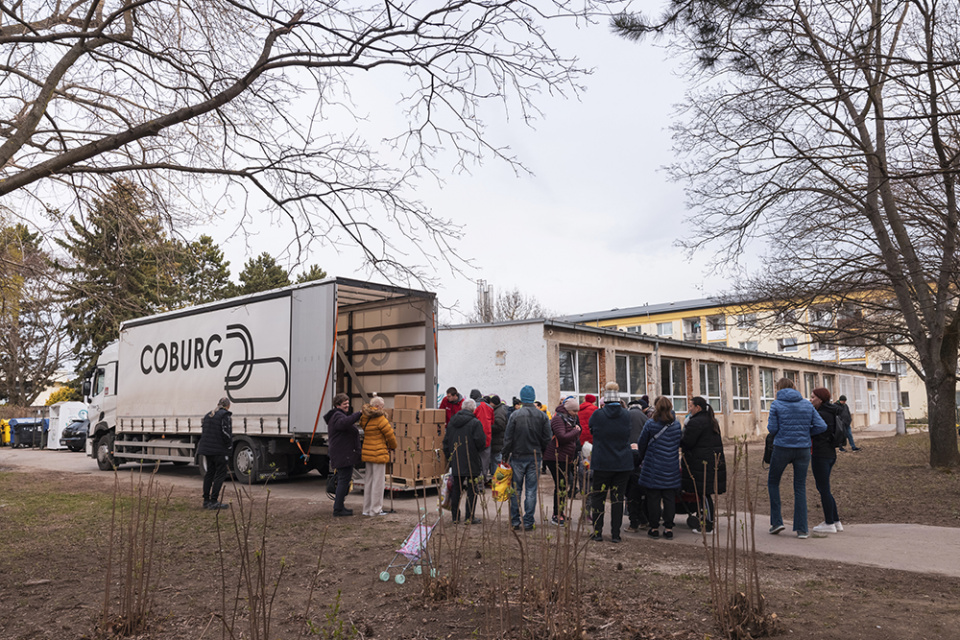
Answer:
(385, 576)
(400, 579)
(693, 522)
(418, 570)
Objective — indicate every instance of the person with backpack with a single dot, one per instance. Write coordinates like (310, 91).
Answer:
(824, 456)
(704, 467)
(793, 422)
(659, 451)
(462, 444)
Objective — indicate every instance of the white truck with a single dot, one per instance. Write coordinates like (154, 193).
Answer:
(280, 356)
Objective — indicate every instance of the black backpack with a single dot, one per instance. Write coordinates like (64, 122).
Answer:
(836, 433)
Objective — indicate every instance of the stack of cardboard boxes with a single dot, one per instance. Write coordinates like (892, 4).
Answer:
(419, 431)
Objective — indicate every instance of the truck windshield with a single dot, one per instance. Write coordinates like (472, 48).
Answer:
(98, 382)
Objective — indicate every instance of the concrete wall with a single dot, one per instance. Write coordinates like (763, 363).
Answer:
(497, 359)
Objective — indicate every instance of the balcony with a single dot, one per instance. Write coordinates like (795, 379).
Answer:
(691, 336)
(852, 353)
(824, 355)
(718, 335)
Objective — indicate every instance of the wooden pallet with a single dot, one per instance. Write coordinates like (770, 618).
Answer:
(400, 483)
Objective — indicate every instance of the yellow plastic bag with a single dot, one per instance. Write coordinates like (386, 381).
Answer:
(502, 483)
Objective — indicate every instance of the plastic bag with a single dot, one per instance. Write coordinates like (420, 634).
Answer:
(502, 482)
(446, 488)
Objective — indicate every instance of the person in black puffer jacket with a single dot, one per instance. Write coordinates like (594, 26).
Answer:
(462, 444)
(704, 467)
(611, 461)
(343, 447)
(822, 458)
(215, 443)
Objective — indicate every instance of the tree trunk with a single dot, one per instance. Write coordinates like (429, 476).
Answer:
(942, 414)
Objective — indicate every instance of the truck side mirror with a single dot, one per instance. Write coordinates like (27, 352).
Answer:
(86, 390)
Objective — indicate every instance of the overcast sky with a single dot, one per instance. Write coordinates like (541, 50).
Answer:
(597, 224)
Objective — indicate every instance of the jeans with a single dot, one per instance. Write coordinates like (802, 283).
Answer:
(666, 497)
(461, 483)
(821, 473)
(526, 470)
(800, 459)
(485, 463)
(562, 473)
(344, 476)
(853, 445)
(614, 483)
(214, 477)
(495, 460)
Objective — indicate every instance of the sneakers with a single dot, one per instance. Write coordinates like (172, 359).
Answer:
(633, 528)
(214, 506)
(558, 520)
(843, 450)
(516, 527)
(838, 526)
(343, 513)
(696, 531)
(776, 529)
(654, 533)
(823, 527)
(856, 448)
(615, 539)
(475, 521)
(803, 535)
(668, 534)
(596, 538)
(530, 528)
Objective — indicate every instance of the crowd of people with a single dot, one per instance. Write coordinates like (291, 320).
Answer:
(632, 455)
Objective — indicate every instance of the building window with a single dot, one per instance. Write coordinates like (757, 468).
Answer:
(579, 373)
(691, 329)
(710, 384)
(634, 329)
(794, 377)
(664, 329)
(894, 366)
(861, 389)
(809, 383)
(905, 399)
(767, 392)
(821, 317)
(846, 389)
(747, 320)
(673, 382)
(786, 344)
(830, 382)
(631, 376)
(786, 317)
(750, 345)
(716, 323)
(741, 388)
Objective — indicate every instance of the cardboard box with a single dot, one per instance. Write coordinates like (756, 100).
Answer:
(406, 416)
(433, 416)
(407, 402)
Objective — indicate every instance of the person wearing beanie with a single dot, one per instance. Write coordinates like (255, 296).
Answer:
(560, 456)
(792, 421)
(846, 420)
(636, 498)
(527, 436)
(704, 466)
(822, 458)
(462, 444)
(611, 462)
(216, 441)
(475, 395)
(501, 413)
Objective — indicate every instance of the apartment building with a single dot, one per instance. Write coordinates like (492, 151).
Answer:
(710, 322)
(561, 358)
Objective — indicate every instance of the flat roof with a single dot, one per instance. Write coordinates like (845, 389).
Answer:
(647, 309)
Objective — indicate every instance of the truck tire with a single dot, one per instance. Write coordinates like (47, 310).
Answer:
(104, 449)
(246, 462)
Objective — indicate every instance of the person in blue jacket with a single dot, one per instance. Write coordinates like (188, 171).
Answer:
(659, 452)
(793, 421)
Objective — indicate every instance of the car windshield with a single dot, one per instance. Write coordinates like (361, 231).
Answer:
(78, 425)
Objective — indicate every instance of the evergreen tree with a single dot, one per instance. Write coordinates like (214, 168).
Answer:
(261, 274)
(311, 274)
(205, 275)
(123, 267)
(31, 335)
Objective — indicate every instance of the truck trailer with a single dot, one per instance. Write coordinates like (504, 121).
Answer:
(279, 356)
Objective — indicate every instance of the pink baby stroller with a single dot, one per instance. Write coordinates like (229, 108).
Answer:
(412, 553)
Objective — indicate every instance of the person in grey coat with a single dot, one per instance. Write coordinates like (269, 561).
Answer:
(216, 441)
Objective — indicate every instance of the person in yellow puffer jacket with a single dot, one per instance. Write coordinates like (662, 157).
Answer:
(378, 441)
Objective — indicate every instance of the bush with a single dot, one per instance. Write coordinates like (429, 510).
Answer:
(63, 394)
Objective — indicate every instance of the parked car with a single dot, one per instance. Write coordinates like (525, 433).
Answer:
(74, 436)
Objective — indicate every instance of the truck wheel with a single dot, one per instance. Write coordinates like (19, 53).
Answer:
(105, 459)
(245, 463)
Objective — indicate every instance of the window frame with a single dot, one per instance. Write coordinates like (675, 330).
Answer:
(713, 401)
(667, 369)
(785, 346)
(627, 392)
(577, 391)
(767, 400)
(660, 326)
(739, 399)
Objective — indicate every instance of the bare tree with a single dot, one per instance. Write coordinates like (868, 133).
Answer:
(829, 132)
(510, 305)
(194, 99)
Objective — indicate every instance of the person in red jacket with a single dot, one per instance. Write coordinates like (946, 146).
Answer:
(583, 417)
(484, 413)
(451, 403)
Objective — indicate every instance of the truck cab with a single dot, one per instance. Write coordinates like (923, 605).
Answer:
(100, 394)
